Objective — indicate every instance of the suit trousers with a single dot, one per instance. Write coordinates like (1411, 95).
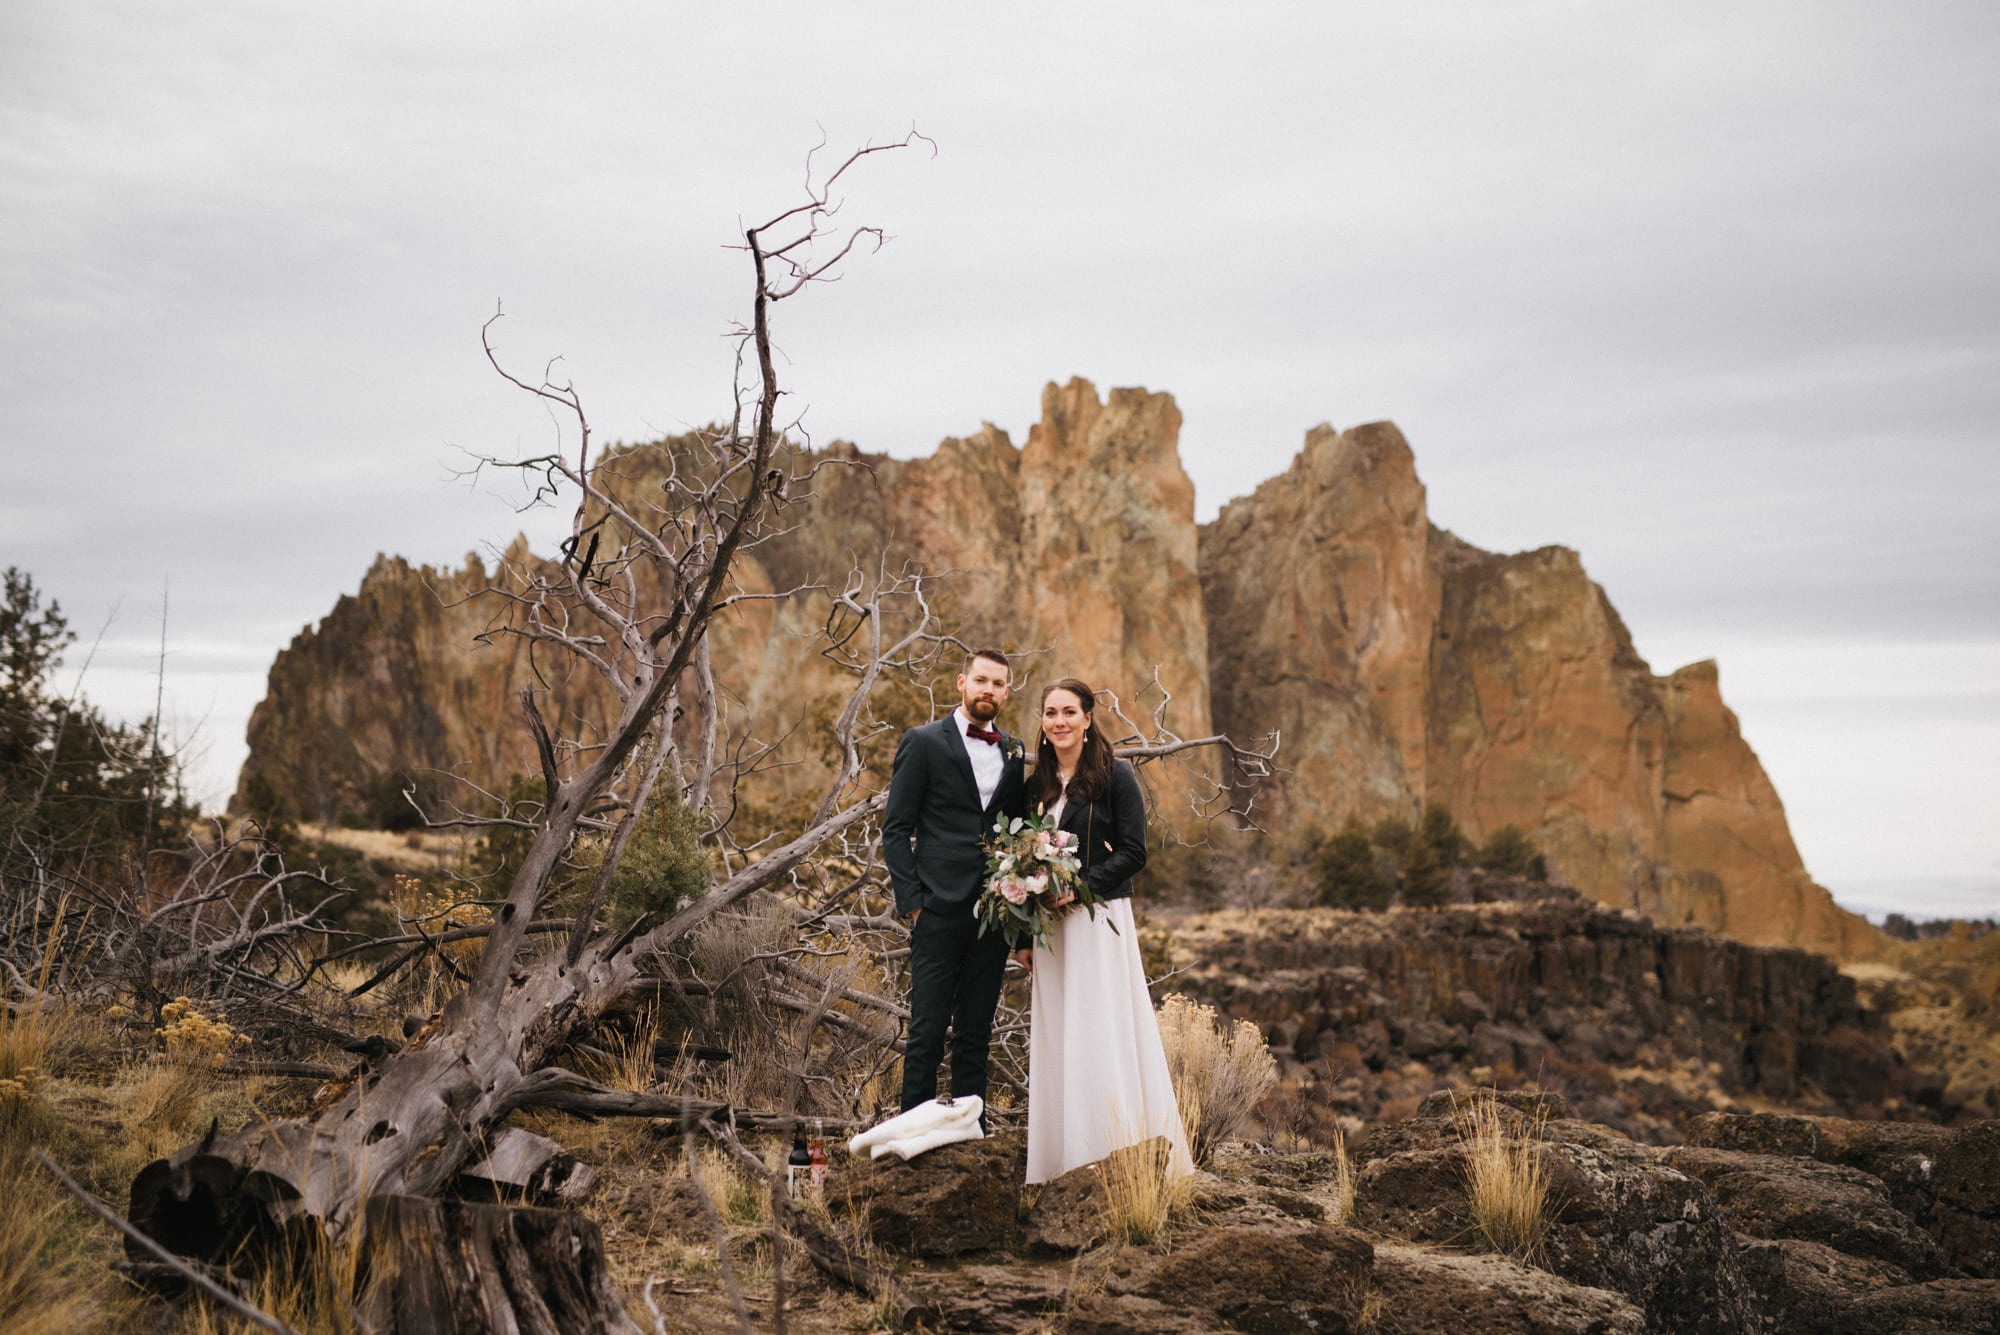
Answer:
(955, 977)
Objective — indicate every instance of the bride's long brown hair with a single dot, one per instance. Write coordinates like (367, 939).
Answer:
(1092, 780)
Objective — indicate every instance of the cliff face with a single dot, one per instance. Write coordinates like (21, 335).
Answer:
(1409, 667)
(1645, 1026)
(1400, 664)
(391, 681)
(1078, 550)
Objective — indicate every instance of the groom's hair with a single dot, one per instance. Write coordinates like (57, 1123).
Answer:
(991, 656)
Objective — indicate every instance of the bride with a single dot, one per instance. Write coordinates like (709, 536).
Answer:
(1097, 1072)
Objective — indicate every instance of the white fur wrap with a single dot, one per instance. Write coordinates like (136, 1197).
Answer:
(924, 1127)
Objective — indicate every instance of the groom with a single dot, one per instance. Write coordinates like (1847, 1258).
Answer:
(951, 779)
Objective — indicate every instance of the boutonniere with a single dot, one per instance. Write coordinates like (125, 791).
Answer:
(1013, 749)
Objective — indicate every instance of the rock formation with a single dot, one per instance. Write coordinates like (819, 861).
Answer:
(1078, 548)
(1641, 1026)
(1405, 666)
(1401, 665)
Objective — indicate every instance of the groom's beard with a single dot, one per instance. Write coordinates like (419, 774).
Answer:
(981, 711)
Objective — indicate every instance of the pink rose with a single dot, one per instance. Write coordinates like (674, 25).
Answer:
(1013, 891)
(1064, 839)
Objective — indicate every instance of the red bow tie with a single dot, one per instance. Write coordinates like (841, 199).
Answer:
(983, 734)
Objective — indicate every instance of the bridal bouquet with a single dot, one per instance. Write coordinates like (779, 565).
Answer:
(1033, 877)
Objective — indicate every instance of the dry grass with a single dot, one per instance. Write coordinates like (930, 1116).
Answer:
(736, 1198)
(629, 1061)
(30, 1038)
(1220, 1071)
(1506, 1178)
(1144, 1187)
(24, 1062)
(50, 1283)
(1342, 1186)
(315, 1291)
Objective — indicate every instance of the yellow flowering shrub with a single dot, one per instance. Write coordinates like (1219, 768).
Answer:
(191, 1038)
(435, 909)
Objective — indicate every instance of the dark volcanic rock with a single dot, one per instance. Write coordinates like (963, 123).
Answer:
(1070, 1215)
(1531, 1103)
(1621, 1220)
(1756, 1133)
(1944, 1181)
(1127, 1314)
(1966, 1218)
(1941, 1307)
(1809, 1288)
(1267, 1279)
(992, 1300)
(1421, 1292)
(956, 1199)
(1558, 991)
(1768, 1196)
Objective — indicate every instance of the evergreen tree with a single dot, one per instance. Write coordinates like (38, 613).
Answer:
(1436, 847)
(1351, 875)
(1510, 852)
(74, 788)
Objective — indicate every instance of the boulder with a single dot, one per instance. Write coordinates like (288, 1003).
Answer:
(991, 1300)
(1767, 1196)
(1966, 1217)
(1755, 1133)
(953, 1200)
(1619, 1220)
(1546, 1106)
(1429, 1037)
(1265, 1279)
(1422, 1292)
(1128, 1314)
(1071, 1214)
(1809, 1288)
(1941, 1307)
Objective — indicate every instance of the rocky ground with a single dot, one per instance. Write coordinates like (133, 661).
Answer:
(1737, 1138)
(1758, 1223)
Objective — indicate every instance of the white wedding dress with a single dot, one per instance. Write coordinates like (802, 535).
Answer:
(1097, 1071)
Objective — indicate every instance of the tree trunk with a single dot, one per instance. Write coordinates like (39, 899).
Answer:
(452, 1268)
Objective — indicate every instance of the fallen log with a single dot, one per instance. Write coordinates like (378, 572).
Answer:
(523, 1164)
(460, 1268)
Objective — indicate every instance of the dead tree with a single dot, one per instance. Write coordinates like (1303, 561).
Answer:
(632, 600)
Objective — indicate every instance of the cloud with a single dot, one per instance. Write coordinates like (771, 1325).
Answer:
(1707, 293)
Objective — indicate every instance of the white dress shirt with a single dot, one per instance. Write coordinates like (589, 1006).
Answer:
(987, 762)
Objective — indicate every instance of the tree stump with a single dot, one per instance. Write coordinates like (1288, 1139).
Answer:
(457, 1268)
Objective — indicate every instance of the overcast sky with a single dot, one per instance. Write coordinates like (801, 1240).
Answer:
(1710, 293)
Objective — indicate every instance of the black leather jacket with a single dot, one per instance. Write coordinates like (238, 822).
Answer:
(1112, 834)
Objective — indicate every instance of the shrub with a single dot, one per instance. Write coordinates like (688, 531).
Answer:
(190, 1037)
(1220, 1071)
(1351, 875)
(663, 866)
(1393, 834)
